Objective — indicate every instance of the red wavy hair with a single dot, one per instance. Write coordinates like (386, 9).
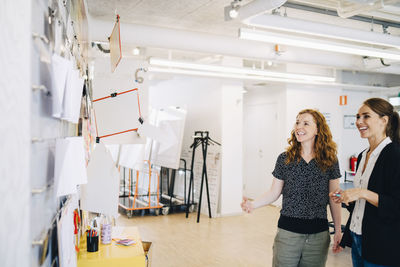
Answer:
(325, 150)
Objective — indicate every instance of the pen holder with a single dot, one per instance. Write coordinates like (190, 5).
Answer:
(92, 243)
(106, 233)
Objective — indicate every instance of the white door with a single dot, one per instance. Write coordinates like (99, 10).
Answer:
(260, 144)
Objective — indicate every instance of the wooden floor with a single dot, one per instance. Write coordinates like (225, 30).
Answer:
(244, 240)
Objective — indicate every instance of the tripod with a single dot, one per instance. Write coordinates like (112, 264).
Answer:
(200, 138)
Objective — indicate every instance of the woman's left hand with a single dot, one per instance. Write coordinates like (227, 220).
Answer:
(336, 248)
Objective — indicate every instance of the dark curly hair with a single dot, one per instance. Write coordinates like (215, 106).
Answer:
(325, 149)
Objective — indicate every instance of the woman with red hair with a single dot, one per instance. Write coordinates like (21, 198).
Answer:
(304, 174)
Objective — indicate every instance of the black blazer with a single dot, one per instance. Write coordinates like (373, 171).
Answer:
(381, 225)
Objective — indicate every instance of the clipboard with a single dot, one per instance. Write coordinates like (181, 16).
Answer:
(117, 117)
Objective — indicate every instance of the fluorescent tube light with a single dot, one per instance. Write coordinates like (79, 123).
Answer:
(275, 38)
(203, 73)
(234, 70)
(224, 75)
(281, 23)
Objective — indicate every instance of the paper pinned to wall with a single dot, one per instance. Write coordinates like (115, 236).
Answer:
(117, 118)
(60, 68)
(70, 165)
(101, 192)
(65, 235)
(72, 96)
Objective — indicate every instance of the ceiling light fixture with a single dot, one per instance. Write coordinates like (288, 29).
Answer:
(232, 11)
(136, 51)
(281, 23)
(291, 40)
(235, 70)
(356, 87)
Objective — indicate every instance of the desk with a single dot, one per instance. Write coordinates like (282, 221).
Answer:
(112, 254)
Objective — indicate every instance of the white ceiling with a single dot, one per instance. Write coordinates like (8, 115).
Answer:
(207, 16)
(195, 15)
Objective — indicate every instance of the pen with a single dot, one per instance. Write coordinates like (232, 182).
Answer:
(337, 195)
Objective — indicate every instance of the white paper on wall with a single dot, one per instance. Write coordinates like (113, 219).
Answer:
(72, 96)
(58, 37)
(70, 166)
(60, 68)
(117, 118)
(66, 238)
(101, 192)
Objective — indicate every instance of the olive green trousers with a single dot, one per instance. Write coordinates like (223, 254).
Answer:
(300, 250)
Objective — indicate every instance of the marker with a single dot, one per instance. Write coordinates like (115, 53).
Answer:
(337, 195)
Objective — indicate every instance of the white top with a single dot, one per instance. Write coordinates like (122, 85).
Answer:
(361, 181)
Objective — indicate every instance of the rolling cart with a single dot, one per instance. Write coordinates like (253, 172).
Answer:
(174, 188)
(140, 191)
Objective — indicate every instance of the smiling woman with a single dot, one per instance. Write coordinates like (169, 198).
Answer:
(304, 175)
(372, 230)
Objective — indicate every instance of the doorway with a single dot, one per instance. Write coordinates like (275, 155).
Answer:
(260, 145)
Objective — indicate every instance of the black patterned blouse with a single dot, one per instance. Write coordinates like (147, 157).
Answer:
(305, 194)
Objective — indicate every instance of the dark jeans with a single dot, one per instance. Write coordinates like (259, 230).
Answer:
(356, 246)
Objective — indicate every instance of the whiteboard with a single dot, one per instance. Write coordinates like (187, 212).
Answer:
(171, 122)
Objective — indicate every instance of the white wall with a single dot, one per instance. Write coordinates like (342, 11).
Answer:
(262, 95)
(351, 142)
(326, 100)
(271, 94)
(232, 149)
(15, 96)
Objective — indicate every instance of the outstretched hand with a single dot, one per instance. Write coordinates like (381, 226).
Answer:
(247, 205)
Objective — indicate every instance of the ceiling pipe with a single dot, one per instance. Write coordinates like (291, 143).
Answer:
(257, 7)
(347, 11)
(156, 37)
(388, 22)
